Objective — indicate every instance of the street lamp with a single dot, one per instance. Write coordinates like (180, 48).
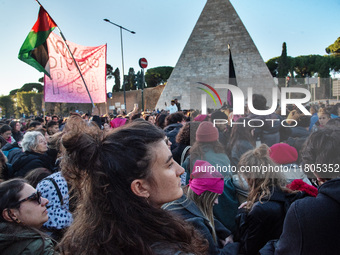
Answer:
(121, 46)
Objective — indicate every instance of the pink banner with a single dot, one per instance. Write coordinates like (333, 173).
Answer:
(66, 85)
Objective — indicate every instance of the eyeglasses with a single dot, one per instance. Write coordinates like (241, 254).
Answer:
(34, 197)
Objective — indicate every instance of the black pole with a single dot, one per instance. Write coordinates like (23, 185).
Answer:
(143, 81)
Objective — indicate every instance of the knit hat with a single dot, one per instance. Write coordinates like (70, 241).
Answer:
(282, 153)
(117, 122)
(200, 117)
(206, 132)
(206, 178)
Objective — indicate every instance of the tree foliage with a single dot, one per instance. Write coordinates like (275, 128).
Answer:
(109, 71)
(307, 66)
(28, 87)
(158, 75)
(116, 75)
(334, 48)
(7, 105)
(29, 103)
(283, 63)
(130, 80)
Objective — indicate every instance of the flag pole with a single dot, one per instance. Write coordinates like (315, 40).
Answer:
(74, 61)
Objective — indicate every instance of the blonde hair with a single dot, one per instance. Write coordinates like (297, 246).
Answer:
(293, 115)
(205, 203)
(263, 178)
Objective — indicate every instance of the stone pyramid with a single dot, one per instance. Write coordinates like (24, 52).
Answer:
(205, 58)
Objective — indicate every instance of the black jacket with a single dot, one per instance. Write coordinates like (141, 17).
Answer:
(29, 161)
(12, 152)
(299, 132)
(264, 222)
(190, 213)
(177, 152)
(171, 131)
(269, 133)
(312, 225)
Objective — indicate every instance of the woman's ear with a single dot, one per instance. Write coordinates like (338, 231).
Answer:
(9, 215)
(140, 188)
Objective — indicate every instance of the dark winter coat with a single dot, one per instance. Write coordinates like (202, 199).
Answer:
(264, 222)
(312, 224)
(188, 210)
(239, 148)
(299, 132)
(269, 133)
(12, 152)
(29, 161)
(177, 152)
(15, 240)
(171, 132)
(17, 136)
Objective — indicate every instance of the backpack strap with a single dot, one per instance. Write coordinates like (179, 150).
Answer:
(184, 153)
(57, 189)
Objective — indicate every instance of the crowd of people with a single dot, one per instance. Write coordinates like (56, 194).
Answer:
(172, 182)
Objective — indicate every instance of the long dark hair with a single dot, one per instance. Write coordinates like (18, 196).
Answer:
(9, 194)
(110, 218)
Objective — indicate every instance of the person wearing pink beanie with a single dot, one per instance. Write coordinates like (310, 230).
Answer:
(208, 148)
(196, 206)
(118, 122)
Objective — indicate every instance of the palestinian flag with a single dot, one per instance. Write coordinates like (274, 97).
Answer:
(34, 49)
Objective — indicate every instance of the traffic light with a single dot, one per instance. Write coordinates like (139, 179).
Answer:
(140, 81)
(135, 81)
(287, 81)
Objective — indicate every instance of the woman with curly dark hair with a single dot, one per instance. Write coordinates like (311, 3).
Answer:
(123, 178)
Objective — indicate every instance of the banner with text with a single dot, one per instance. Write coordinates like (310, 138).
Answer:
(66, 85)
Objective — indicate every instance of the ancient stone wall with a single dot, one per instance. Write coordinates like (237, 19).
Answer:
(151, 96)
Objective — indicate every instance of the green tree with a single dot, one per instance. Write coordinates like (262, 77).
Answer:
(334, 63)
(334, 48)
(37, 103)
(29, 102)
(7, 105)
(109, 71)
(130, 83)
(116, 75)
(32, 87)
(283, 66)
(272, 65)
(158, 75)
(13, 92)
(28, 87)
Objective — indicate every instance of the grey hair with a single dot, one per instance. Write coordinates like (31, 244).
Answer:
(30, 140)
